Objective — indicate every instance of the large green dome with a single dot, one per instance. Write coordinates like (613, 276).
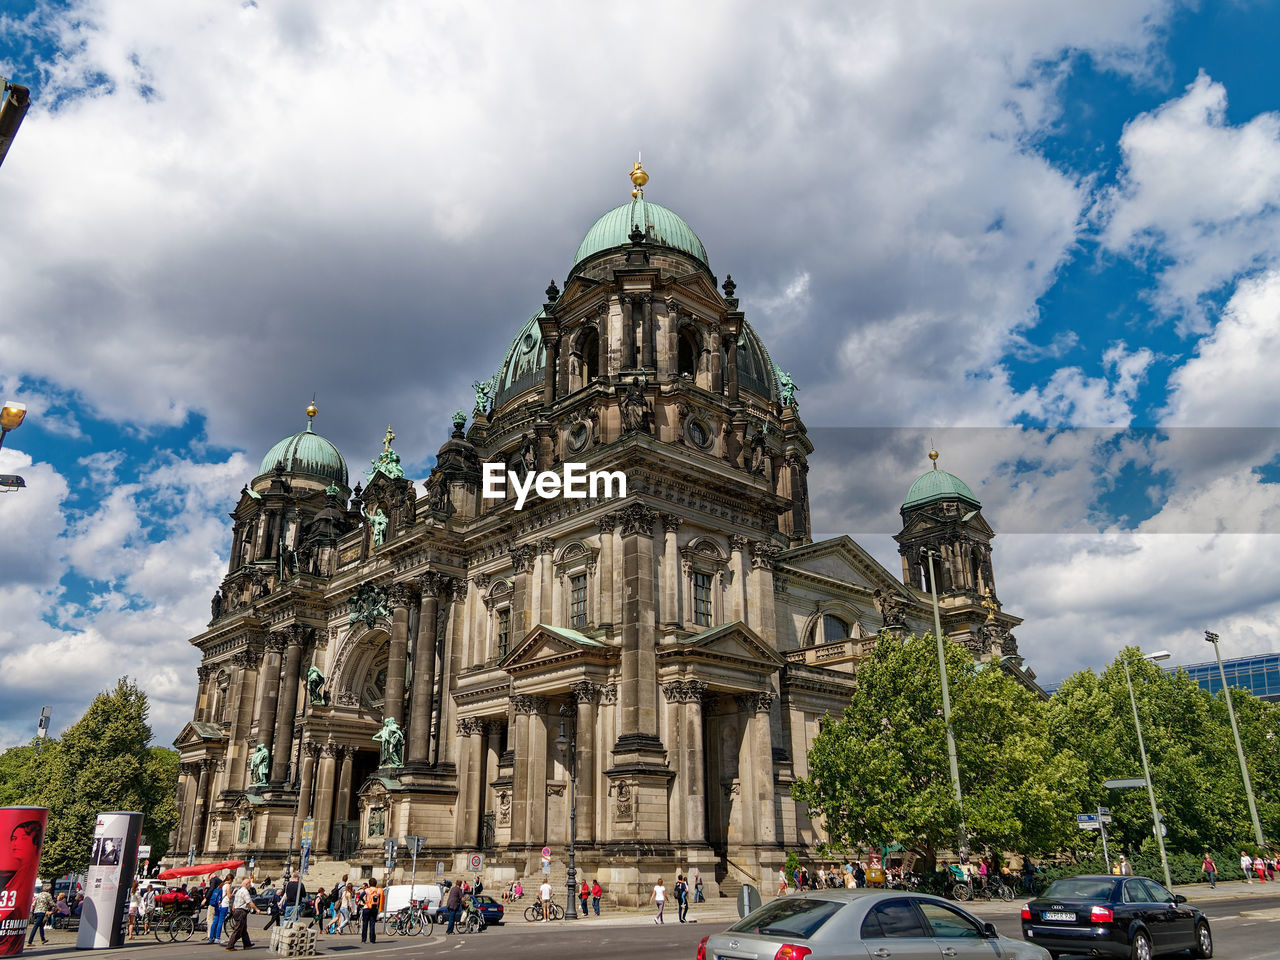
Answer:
(938, 485)
(658, 224)
(309, 454)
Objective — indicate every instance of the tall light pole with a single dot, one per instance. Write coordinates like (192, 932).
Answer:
(1157, 827)
(570, 716)
(14, 101)
(963, 830)
(11, 417)
(1212, 637)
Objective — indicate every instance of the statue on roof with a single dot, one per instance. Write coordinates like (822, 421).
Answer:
(392, 741)
(377, 522)
(891, 608)
(990, 604)
(259, 765)
(482, 389)
(788, 389)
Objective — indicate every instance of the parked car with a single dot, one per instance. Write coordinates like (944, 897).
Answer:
(490, 909)
(429, 894)
(1111, 916)
(861, 923)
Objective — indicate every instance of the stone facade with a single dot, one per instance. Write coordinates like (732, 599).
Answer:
(685, 639)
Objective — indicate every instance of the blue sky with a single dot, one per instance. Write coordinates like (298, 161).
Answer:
(1044, 237)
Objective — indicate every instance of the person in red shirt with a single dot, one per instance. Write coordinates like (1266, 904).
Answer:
(584, 892)
(596, 893)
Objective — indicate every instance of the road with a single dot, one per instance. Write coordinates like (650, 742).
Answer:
(1245, 928)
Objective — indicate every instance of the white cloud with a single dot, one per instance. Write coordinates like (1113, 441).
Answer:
(1072, 398)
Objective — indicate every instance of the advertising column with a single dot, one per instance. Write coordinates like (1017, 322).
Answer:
(21, 839)
(112, 866)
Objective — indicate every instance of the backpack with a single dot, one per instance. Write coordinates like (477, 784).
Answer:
(215, 898)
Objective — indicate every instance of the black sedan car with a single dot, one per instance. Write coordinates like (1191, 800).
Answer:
(1115, 917)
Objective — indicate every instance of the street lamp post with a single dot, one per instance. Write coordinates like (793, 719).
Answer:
(963, 830)
(569, 715)
(1212, 637)
(14, 101)
(1157, 827)
(11, 417)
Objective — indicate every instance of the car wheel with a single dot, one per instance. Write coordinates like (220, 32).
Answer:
(1204, 941)
(1141, 949)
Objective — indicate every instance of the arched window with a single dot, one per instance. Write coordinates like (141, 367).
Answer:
(687, 357)
(831, 629)
(590, 357)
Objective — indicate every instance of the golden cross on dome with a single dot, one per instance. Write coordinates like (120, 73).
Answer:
(990, 605)
(386, 441)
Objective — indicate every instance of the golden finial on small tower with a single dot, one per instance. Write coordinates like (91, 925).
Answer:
(312, 410)
(638, 179)
(933, 455)
(991, 605)
(386, 441)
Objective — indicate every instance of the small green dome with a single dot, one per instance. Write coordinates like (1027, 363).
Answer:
(309, 454)
(938, 485)
(659, 225)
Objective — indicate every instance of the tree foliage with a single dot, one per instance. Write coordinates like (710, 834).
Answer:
(103, 762)
(879, 772)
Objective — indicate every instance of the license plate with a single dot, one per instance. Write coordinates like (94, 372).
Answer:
(1057, 915)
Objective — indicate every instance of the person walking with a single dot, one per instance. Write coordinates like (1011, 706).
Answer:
(273, 908)
(295, 892)
(584, 894)
(658, 897)
(241, 904)
(369, 918)
(1246, 866)
(682, 898)
(41, 907)
(452, 906)
(212, 894)
(346, 902)
(1210, 869)
(1126, 869)
(597, 892)
(220, 912)
(135, 908)
(697, 889)
(782, 881)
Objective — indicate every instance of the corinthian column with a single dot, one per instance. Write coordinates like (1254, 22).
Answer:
(424, 670)
(639, 707)
(271, 659)
(584, 792)
(401, 595)
(287, 711)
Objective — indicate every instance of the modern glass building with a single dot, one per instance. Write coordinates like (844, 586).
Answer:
(1260, 675)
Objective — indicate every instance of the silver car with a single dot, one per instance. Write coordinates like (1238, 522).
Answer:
(863, 925)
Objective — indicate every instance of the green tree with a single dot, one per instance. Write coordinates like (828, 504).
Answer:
(21, 773)
(879, 772)
(103, 762)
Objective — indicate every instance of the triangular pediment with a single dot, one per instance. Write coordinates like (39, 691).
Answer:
(841, 560)
(197, 732)
(546, 644)
(700, 284)
(734, 643)
(930, 519)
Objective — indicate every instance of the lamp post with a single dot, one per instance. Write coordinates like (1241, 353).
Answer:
(569, 715)
(13, 107)
(946, 707)
(1212, 637)
(11, 417)
(1157, 827)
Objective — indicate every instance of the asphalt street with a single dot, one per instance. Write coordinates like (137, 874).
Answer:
(1246, 926)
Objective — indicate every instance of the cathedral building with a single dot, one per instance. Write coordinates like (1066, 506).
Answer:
(394, 660)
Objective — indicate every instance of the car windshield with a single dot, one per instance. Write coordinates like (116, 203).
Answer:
(788, 918)
(1080, 888)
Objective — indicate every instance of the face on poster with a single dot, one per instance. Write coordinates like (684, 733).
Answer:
(22, 832)
(111, 869)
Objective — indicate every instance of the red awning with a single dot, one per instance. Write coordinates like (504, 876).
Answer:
(199, 869)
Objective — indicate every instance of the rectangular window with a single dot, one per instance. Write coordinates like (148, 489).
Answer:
(578, 603)
(504, 630)
(702, 599)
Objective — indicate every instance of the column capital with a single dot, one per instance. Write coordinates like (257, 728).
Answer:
(402, 593)
(584, 691)
(763, 553)
(245, 658)
(204, 672)
(481, 580)
(685, 691)
(738, 542)
(529, 705)
(430, 584)
(755, 702)
(671, 523)
(311, 749)
(457, 589)
(470, 726)
(608, 693)
(275, 642)
(546, 546)
(607, 522)
(636, 519)
(296, 633)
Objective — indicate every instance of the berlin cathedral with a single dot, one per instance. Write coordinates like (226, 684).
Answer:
(395, 660)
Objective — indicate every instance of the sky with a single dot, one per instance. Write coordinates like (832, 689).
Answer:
(1042, 237)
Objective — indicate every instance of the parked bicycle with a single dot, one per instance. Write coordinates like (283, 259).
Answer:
(410, 921)
(533, 913)
(471, 919)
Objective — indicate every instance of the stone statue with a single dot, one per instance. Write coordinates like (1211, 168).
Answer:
(528, 454)
(991, 605)
(635, 409)
(890, 608)
(315, 686)
(392, 740)
(788, 398)
(758, 451)
(216, 605)
(259, 764)
(378, 521)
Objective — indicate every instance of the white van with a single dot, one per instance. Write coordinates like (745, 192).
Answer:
(397, 897)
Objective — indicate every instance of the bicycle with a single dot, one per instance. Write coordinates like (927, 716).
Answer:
(410, 921)
(172, 926)
(473, 921)
(533, 913)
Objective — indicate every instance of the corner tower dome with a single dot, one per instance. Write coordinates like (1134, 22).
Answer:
(660, 226)
(938, 485)
(306, 456)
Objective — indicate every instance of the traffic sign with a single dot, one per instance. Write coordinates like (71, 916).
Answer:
(1125, 784)
(546, 853)
(439, 868)
(1104, 811)
(309, 829)
(475, 862)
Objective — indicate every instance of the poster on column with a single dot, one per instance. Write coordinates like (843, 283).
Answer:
(21, 839)
(112, 865)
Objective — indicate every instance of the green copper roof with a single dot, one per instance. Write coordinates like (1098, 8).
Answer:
(938, 485)
(659, 225)
(306, 453)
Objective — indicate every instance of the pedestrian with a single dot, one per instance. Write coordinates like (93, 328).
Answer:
(295, 892)
(584, 894)
(1126, 870)
(223, 897)
(1260, 867)
(697, 889)
(452, 905)
(1246, 866)
(241, 904)
(658, 897)
(544, 897)
(212, 893)
(682, 898)
(597, 892)
(345, 906)
(273, 908)
(1210, 869)
(859, 875)
(782, 881)
(41, 907)
(135, 907)
(369, 917)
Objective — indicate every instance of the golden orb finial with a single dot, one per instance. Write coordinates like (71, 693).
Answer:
(933, 455)
(638, 178)
(312, 410)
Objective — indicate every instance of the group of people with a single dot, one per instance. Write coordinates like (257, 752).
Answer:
(658, 898)
(45, 909)
(1261, 866)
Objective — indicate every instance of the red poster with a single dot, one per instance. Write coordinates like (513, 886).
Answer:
(21, 839)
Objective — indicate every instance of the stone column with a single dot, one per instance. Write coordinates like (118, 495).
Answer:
(401, 595)
(307, 778)
(738, 567)
(551, 347)
(538, 772)
(424, 670)
(199, 822)
(455, 591)
(605, 615)
(638, 665)
(286, 713)
(546, 611)
(203, 700)
(522, 563)
(693, 763)
(731, 343)
(342, 807)
(760, 592)
(524, 707)
(584, 796)
(627, 350)
(646, 332)
(185, 798)
(602, 339)
(670, 607)
(246, 682)
(748, 769)
(470, 781)
(761, 795)
(271, 658)
(323, 812)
